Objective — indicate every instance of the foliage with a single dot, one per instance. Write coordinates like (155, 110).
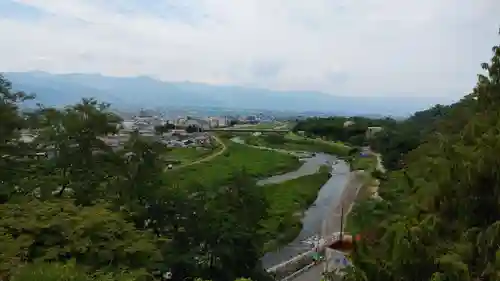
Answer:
(67, 197)
(439, 216)
(365, 162)
(294, 142)
(339, 129)
(69, 272)
(57, 231)
(193, 129)
(318, 145)
(186, 155)
(287, 202)
(165, 128)
(274, 139)
(256, 162)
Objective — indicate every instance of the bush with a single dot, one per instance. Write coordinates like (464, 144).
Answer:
(59, 231)
(69, 272)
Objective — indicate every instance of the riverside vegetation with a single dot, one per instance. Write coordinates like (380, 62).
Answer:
(237, 157)
(90, 213)
(74, 209)
(439, 214)
(293, 142)
(287, 202)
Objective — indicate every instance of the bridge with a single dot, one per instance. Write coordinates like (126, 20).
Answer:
(251, 130)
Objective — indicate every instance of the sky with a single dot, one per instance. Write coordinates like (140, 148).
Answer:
(425, 48)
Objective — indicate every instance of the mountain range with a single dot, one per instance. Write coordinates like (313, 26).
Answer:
(146, 92)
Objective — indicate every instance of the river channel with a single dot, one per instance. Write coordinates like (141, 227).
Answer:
(313, 218)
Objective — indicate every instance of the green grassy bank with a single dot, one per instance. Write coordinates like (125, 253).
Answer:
(287, 202)
(218, 171)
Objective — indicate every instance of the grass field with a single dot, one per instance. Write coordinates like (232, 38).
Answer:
(188, 154)
(218, 171)
(367, 163)
(297, 143)
(263, 126)
(287, 202)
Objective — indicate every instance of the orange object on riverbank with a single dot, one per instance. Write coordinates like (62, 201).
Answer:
(345, 244)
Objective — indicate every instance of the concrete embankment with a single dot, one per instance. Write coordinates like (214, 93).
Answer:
(332, 224)
(358, 181)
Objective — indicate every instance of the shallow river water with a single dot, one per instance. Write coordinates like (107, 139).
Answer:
(314, 216)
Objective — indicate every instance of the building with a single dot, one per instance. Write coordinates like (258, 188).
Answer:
(348, 123)
(223, 121)
(213, 122)
(372, 131)
(180, 121)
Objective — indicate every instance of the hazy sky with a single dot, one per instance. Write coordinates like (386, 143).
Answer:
(343, 47)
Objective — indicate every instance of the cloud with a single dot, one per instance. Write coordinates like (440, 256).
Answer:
(344, 47)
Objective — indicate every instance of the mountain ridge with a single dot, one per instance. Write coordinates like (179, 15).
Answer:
(145, 91)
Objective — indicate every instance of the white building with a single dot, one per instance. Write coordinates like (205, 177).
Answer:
(372, 131)
(348, 123)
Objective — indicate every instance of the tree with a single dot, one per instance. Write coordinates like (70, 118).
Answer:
(69, 272)
(161, 129)
(80, 158)
(59, 231)
(193, 129)
(91, 212)
(440, 210)
(247, 205)
(275, 139)
(14, 154)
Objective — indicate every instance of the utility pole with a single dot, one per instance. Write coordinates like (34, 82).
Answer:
(341, 222)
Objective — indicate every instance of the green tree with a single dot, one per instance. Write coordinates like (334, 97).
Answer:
(192, 129)
(90, 212)
(69, 272)
(439, 218)
(14, 154)
(59, 231)
(79, 161)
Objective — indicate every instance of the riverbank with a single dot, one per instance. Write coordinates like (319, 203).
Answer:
(292, 142)
(333, 224)
(312, 219)
(287, 203)
(219, 169)
(368, 191)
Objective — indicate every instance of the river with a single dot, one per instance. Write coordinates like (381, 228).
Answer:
(313, 218)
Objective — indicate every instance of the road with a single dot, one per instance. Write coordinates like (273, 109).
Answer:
(208, 158)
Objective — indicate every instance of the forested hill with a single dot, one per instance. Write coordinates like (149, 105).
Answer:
(398, 137)
(440, 214)
(439, 217)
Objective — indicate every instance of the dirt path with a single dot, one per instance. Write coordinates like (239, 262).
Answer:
(208, 158)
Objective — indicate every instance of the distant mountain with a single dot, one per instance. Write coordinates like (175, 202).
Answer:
(142, 91)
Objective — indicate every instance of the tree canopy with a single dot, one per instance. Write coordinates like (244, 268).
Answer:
(439, 217)
(74, 208)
